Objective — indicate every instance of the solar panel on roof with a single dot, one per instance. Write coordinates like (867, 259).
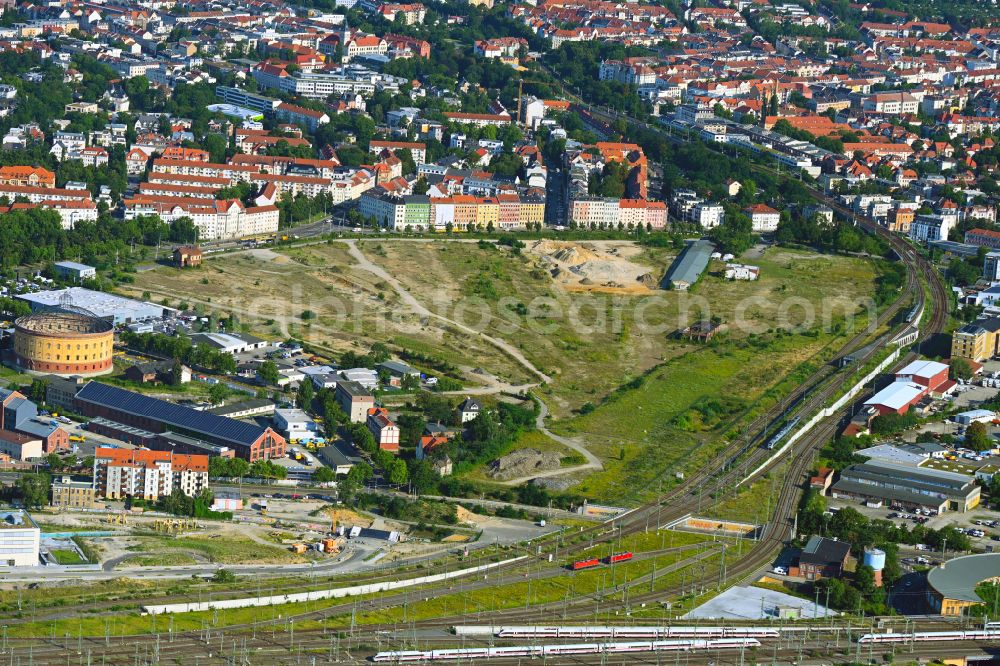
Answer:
(171, 414)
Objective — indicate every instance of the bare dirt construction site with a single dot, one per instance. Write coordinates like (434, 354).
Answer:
(608, 267)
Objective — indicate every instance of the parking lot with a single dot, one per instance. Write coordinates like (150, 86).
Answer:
(980, 519)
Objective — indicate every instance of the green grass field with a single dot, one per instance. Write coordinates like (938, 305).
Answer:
(749, 503)
(67, 556)
(649, 405)
(172, 559)
(222, 550)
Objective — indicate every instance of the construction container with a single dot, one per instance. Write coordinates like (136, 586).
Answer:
(330, 545)
(299, 548)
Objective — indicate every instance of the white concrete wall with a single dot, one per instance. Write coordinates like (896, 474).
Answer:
(336, 593)
(824, 413)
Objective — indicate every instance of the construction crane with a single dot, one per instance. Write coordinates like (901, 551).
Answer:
(520, 93)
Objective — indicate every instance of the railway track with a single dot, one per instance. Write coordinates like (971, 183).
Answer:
(245, 640)
(188, 643)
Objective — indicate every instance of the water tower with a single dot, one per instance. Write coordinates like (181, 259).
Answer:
(875, 558)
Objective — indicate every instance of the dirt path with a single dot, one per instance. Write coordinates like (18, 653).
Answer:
(593, 462)
(365, 264)
(493, 384)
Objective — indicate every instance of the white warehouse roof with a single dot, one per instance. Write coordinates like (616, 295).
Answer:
(897, 395)
(923, 368)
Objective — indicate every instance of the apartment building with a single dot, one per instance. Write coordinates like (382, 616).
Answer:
(991, 266)
(215, 219)
(355, 400)
(504, 48)
(120, 473)
(901, 219)
(44, 195)
(70, 493)
(707, 215)
(27, 176)
(630, 73)
(891, 103)
(930, 227)
(983, 238)
(309, 118)
(977, 341)
(507, 211)
(478, 119)
(764, 218)
(418, 151)
(234, 172)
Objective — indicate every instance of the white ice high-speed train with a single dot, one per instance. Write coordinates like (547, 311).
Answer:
(405, 656)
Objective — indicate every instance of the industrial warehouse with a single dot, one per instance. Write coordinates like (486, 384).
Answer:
(907, 486)
(115, 309)
(159, 424)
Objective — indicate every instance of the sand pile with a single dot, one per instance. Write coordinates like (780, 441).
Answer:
(583, 267)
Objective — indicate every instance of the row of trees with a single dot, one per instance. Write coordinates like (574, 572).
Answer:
(199, 506)
(850, 525)
(830, 237)
(182, 349)
(101, 243)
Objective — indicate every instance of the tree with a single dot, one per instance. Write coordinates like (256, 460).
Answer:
(977, 437)
(960, 369)
(265, 469)
(360, 473)
(54, 462)
(183, 230)
(378, 353)
(217, 393)
(218, 467)
(734, 235)
(34, 488)
(38, 390)
(224, 576)
(177, 372)
(397, 472)
(238, 467)
(304, 396)
(423, 478)
(216, 145)
(268, 372)
(323, 475)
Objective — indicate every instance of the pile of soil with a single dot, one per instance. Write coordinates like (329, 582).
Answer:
(579, 267)
(523, 462)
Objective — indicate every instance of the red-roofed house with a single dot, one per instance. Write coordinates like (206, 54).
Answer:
(764, 218)
(385, 432)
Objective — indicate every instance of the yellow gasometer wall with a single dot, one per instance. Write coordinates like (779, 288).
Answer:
(63, 343)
